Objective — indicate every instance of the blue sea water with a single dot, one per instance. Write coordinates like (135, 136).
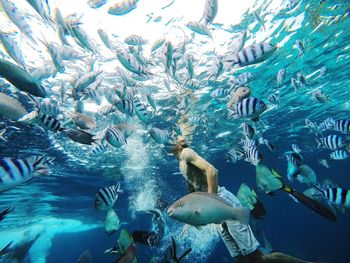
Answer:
(59, 207)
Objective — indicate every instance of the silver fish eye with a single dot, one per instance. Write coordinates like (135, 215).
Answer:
(180, 204)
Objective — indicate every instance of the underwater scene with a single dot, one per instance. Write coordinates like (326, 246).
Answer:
(174, 131)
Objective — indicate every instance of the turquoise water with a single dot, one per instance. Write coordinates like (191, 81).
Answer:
(56, 212)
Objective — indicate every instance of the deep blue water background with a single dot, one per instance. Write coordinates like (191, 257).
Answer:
(290, 227)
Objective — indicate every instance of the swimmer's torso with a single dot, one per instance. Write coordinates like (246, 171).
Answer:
(195, 178)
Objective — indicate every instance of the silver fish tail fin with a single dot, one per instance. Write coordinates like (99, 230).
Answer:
(242, 215)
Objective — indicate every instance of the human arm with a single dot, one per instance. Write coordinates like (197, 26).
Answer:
(190, 156)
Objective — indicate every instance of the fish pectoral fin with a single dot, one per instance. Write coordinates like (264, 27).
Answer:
(275, 173)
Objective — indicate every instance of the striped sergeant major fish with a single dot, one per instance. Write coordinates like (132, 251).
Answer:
(50, 123)
(250, 154)
(123, 7)
(336, 195)
(323, 71)
(250, 107)
(107, 109)
(339, 155)
(125, 106)
(99, 148)
(135, 40)
(294, 158)
(248, 130)
(14, 172)
(342, 126)
(332, 142)
(141, 111)
(220, 93)
(327, 124)
(210, 11)
(247, 143)
(44, 120)
(242, 79)
(281, 75)
(115, 137)
(252, 54)
(96, 3)
(162, 136)
(106, 197)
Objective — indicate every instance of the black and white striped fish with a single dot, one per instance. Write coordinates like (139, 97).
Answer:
(342, 126)
(248, 130)
(294, 158)
(50, 123)
(162, 136)
(107, 109)
(242, 79)
(115, 137)
(336, 195)
(125, 106)
(332, 142)
(141, 111)
(14, 172)
(219, 93)
(210, 11)
(106, 197)
(247, 143)
(250, 154)
(323, 71)
(49, 107)
(281, 76)
(135, 40)
(252, 54)
(327, 124)
(247, 108)
(253, 155)
(99, 148)
(339, 155)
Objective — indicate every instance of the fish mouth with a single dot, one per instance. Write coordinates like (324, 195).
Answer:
(170, 212)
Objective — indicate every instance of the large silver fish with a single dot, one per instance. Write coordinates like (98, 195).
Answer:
(21, 79)
(200, 208)
(11, 108)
